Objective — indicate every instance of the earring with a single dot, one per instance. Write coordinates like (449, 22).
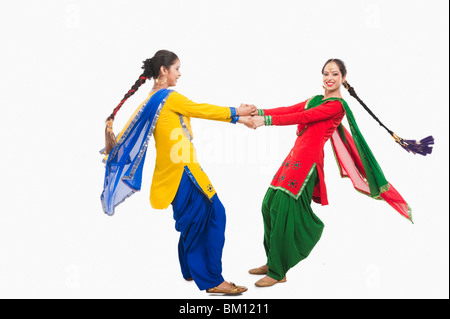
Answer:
(160, 82)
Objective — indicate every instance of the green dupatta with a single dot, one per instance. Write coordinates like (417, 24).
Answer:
(356, 161)
(373, 173)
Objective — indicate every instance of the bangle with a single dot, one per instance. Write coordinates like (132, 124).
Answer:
(261, 112)
(268, 120)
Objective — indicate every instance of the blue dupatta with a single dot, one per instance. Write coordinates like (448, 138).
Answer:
(123, 176)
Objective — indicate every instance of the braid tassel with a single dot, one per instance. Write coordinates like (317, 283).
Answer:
(110, 138)
(422, 147)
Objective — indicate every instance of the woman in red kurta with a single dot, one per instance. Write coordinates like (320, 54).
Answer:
(291, 229)
(307, 154)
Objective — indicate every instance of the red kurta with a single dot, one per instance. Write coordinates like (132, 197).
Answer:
(315, 127)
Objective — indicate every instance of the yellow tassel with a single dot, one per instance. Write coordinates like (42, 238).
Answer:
(110, 138)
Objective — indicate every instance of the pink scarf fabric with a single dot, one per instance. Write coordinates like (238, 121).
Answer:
(350, 165)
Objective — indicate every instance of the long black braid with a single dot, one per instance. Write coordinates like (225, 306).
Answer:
(151, 69)
(421, 147)
(352, 92)
(134, 88)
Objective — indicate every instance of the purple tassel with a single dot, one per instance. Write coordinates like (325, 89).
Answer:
(423, 147)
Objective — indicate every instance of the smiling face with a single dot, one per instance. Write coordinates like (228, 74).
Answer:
(172, 74)
(332, 77)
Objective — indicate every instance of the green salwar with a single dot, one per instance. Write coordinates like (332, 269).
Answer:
(291, 229)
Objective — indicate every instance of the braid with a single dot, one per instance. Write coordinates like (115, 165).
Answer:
(151, 70)
(133, 89)
(422, 147)
(148, 73)
(352, 92)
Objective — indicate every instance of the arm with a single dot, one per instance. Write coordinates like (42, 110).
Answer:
(297, 108)
(320, 113)
(182, 105)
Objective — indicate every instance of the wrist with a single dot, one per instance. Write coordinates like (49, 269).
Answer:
(233, 112)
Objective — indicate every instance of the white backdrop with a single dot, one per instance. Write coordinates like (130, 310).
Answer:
(66, 64)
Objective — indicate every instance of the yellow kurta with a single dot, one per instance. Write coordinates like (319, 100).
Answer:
(174, 149)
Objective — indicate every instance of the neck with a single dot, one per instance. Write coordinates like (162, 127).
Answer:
(157, 87)
(329, 94)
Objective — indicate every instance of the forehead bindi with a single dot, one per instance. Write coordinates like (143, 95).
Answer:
(331, 67)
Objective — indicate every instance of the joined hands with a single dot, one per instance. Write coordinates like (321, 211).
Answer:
(248, 115)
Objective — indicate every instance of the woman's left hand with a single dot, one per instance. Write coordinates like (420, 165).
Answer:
(247, 121)
(246, 109)
(258, 120)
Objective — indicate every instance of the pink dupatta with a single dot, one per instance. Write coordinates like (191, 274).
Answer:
(350, 165)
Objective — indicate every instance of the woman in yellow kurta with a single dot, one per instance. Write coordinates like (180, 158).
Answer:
(178, 178)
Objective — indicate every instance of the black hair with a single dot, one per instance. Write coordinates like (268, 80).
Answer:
(151, 67)
(351, 90)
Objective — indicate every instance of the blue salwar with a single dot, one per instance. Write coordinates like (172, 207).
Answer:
(201, 223)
